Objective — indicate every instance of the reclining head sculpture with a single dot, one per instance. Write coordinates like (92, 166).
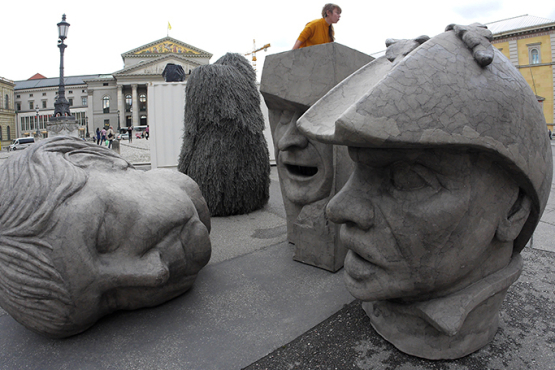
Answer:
(83, 234)
(452, 173)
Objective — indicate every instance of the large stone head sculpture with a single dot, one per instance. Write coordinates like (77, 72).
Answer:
(452, 173)
(309, 171)
(82, 234)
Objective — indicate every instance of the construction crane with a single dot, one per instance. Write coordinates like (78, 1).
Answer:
(253, 52)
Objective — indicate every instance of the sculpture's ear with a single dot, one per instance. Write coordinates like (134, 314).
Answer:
(94, 159)
(510, 226)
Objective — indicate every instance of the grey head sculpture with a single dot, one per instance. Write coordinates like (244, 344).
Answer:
(452, 173)
(83, 234)
(309, 171)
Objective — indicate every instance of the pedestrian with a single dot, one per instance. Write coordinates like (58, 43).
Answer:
(130, 133)
(111, 136)
(103, 135)
(320, 31)
(147, 132)
(97, 136)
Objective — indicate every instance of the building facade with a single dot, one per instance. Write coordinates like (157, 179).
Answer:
(119, 99)
(7, 112)
(529, 43)
(35, 98)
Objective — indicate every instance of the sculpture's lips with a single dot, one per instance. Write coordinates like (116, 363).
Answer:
(302, 171)
(357, 267)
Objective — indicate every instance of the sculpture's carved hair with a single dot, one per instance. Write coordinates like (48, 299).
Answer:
(34, 183)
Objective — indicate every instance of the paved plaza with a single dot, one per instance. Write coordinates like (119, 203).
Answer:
(254, 307)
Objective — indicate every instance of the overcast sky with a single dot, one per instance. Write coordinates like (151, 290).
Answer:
(101, 30)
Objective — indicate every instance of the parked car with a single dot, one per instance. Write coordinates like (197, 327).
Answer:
(122, 136)
(21, 143)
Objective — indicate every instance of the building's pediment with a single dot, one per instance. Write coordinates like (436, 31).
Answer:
(156, 66)
(167, 45)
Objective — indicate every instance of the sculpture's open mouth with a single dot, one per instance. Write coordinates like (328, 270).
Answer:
(306, 171)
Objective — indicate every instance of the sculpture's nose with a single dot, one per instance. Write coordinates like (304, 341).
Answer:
(351, 206)
(292, 137)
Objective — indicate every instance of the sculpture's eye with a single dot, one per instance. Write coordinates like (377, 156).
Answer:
(286, 117)
(102, 240)
(409, 177)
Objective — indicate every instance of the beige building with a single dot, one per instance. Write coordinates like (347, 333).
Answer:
(7, 112)
(119, 99)
(529, 43)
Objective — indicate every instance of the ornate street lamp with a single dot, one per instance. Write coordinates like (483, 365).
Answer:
(37, 118)
(61, 106)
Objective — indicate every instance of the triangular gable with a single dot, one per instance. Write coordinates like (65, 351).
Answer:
(166, 45)
(159, 60)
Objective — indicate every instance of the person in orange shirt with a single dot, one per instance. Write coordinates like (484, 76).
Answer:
(320, 31)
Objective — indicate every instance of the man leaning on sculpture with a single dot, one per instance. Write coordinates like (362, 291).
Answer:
(452, 173)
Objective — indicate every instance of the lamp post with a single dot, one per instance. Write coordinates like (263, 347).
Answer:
(61, 106)
(37, 118)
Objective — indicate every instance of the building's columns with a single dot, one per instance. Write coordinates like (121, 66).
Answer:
(90, 110)
(121, 106)
(513, 52)
(135, 105)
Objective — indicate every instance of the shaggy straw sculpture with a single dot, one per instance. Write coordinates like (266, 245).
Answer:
(224, 149)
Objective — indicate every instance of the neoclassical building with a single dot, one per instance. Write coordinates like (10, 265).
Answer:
(7, 112)
(118, 99)
(529, 43)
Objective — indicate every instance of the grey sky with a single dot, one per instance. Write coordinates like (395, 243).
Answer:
(101, 31)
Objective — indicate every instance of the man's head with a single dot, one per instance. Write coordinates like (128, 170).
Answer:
(453, 168)
(86, 234)
(331, 12)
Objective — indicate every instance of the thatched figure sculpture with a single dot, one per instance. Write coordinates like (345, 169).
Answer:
(66, 256)
(224, 149)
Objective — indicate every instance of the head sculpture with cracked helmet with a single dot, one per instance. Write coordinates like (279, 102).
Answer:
(452, 173)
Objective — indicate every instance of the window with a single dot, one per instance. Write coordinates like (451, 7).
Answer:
(18, 96)
(7, 102)
(70, 102)
(30, 95)
(44, 104)
(534, 56)
(43, 94)
(83, 91)
(143, 120)
(84, 101)
(128, 103)
(9, 131)
(142, 101)
(1, 133)
(31, 105)
(18, 106)
(106, 104)
(105, 84)
(70, 92)
(534, 53)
